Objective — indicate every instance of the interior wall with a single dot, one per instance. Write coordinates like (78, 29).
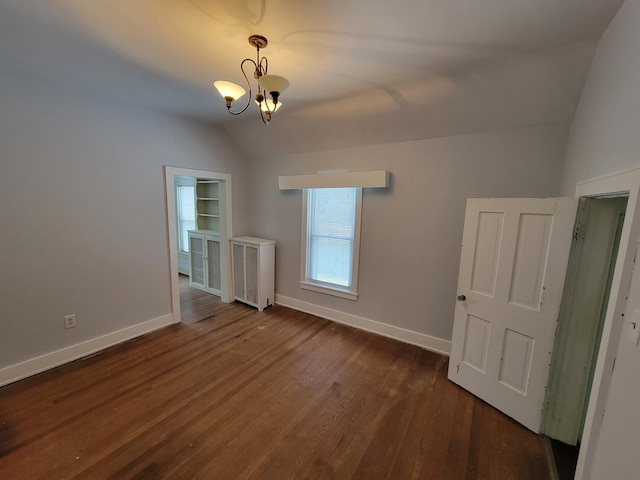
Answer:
(604, 132)
(605, 138)
(82, 209)
(411, 232)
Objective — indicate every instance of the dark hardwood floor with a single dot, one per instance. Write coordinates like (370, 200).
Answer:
(232, 393)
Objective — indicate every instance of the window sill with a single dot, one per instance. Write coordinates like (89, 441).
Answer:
(330, 290)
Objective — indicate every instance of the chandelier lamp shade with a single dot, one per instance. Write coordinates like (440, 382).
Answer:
(269, 87)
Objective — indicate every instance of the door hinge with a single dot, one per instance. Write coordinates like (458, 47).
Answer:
(458, 369)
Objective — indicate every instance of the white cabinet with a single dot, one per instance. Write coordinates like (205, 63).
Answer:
(204, 261)
(208, 243)
(254, 270)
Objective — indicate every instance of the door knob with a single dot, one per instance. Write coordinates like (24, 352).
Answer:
(461, 298)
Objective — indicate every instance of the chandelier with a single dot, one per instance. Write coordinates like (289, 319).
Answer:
(269, 86)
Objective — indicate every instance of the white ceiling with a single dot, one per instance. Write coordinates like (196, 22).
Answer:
(361, 71)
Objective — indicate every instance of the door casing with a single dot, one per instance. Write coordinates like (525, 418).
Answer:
(626, 182)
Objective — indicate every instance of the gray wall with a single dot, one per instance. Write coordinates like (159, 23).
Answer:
(411, 232)
(82, 211)
(605, 138)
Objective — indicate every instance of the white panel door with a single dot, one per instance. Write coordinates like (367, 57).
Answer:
(512, 268)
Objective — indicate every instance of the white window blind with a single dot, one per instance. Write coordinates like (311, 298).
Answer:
(332, 239)
(331, 231)
(185, 203)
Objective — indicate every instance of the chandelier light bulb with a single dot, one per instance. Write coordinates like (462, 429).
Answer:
(268, 106)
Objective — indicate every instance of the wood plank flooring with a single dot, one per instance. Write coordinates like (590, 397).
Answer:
(232, 394)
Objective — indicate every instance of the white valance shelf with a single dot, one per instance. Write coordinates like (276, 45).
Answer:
(370, 179)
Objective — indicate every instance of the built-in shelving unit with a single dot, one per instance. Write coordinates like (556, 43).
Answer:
(208, 205)
(207, 249)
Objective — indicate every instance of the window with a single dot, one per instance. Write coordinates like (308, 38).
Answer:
(186, 215)
(331, 240)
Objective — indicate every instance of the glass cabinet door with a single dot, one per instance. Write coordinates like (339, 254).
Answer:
(214, 279)
(196, 257)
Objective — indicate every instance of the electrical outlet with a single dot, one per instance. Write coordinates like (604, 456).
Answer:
(70, 321)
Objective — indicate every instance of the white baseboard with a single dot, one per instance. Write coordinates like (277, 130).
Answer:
(21, 370)
(427, 342)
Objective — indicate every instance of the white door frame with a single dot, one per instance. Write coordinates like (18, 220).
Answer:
(169, 176)
(625, 182)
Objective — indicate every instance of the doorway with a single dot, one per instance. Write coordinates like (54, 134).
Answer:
(626, 182)
(616, 185)
(596, 241)
(225, 229)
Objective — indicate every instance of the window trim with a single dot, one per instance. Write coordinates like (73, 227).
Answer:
(307, 283)
(179, 220)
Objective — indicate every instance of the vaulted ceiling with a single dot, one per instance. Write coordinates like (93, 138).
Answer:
(361, 71)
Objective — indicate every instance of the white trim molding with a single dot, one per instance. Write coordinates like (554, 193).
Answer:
(434, 344)
(329, 290)
(623, 182)
(36, 365)
(371, 179)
